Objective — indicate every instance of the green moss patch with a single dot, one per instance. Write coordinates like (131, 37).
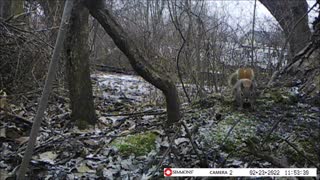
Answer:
(233, 131)
(280, 96)
(139, 144)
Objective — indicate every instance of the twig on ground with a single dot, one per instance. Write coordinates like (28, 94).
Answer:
(202, 160)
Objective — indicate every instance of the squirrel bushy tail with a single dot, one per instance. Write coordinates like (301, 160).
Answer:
(241, 73)
(233, 78)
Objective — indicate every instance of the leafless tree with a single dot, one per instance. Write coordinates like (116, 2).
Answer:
(137, 59)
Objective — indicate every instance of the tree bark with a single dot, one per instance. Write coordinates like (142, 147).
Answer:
(17, 7)
(288, 13)
(77, 67)
(5, 9)
(136, 57)
(10, 8)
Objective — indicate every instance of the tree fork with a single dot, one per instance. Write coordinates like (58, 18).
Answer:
(138, 61)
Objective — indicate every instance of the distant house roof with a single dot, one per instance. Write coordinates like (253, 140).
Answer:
(263, 37)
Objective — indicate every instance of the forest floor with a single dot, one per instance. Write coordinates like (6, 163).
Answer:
(131, 140)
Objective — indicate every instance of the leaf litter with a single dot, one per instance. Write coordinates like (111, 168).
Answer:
(127, 106)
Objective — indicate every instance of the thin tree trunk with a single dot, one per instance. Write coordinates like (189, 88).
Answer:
(252, 39)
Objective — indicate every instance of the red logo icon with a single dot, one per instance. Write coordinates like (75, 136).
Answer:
(167, 172)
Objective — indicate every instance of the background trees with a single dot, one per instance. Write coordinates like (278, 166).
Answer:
(204, 42)
(174, 45)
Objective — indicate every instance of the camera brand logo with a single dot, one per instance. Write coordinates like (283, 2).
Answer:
(167, 172)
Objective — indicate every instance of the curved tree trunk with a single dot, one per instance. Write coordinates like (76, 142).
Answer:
(136, 57)
(288, 13)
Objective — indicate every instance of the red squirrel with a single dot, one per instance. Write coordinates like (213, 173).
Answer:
(243, 87)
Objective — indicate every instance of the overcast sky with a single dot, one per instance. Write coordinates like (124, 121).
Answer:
(241, 12)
